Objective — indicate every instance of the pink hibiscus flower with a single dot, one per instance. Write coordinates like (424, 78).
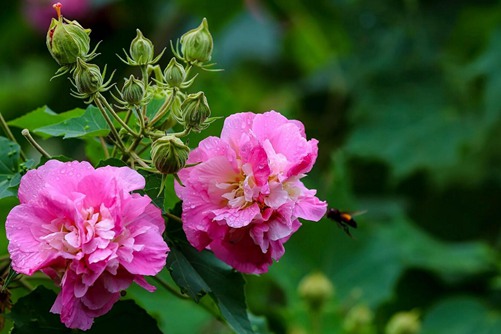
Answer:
(244, 198)
(82, 227)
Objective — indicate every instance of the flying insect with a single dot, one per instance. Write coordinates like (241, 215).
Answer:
(344, 220)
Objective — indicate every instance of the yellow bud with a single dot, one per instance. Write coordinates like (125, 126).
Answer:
(404, 323)
(316, 289)
(359, 320)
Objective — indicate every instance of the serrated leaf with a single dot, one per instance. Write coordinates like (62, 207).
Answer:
(42, 117)
(200, 273)
(9, 167)
(90, 124)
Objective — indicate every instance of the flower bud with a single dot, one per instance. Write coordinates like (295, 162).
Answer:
(359, 320)
(174, 73)
(67, 40)
(404, 323)
(133, 91)
(169, 154)
(316, 289)
(195, 111)
(141, 49)
(87, 78)
(197, 44)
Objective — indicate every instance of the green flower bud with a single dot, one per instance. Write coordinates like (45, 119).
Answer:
(67, 40)
(87, 78)
(197, 44)
(316, 289)
(141, 49)
(194, 112)
(359, 320)
(404, 323)
(169, 154)
(133, 91)
(174, 73)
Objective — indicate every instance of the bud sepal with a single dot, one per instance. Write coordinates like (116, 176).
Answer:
(195, 47)
(169, 154)
(66, 41)
(141, 52)
(89, 81)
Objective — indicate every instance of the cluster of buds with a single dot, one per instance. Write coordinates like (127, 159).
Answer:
(69, 44)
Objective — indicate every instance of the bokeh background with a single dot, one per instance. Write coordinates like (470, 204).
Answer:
(405, 99)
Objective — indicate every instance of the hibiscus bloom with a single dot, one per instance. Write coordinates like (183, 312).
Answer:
(82, 227)
(244, 197)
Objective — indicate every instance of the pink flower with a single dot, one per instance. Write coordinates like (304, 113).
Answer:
(82, 227)
(244, 198)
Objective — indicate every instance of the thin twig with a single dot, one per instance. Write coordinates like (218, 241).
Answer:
(104, 102)
(26, 133)
(9, 134)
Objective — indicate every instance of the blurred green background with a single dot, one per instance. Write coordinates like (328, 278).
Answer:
(405, 99)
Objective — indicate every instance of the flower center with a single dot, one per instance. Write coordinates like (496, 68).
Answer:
(70, 237)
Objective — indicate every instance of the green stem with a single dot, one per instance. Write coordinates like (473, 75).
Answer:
(29, 138)
(118, 140)
(173, 217)
(105, 149)
(172, 290)
(183, 133)
(164, 108)
(169, 288)
(9, 134)
(115, 115)
(138, 160)
(25, 284)
(145, 76)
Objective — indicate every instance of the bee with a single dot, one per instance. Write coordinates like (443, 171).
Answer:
(343, 220)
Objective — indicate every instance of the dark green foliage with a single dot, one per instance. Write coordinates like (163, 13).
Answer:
(200, 273)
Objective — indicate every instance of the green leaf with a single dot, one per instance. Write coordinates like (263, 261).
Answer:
(170, 197)
(31, 314)
(125, 317)
(199, 273)
(152, 187)
(412, 130)
(9, 167)
(153, 107)
(90, 124)
(42, 117)
(461, 315)
(111, 162)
